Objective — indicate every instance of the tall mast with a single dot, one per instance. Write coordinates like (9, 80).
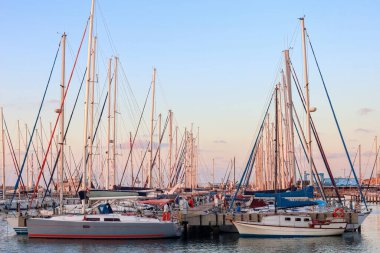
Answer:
(51, 154)
(19, 150)
(176, 143)
(27, 160)
(186, 162)
(151, 131)
(114, 126)
(213, 173)
(288, 79)
(42, 149)
(19, 142)
(310, 154)
(170, 145)
(268, 152)
(3, 151)
(130, 146)
(360, 164)
(57, 147)
(91, 130)
(197, 159)
(88, 79)
(234, 172)
(159, 152)
(191, 139)
(280, 140)
(62, 121)
(377, 158)
(276, 149)
(108, 126)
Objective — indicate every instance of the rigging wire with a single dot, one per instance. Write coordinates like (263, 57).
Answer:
(35, 123)
(337, 123)
(60, 110)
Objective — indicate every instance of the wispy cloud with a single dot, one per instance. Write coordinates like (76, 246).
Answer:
(141, 144)
(53, 101)
(365, 111)
(220, 142)
(335, 155)
(363, 130)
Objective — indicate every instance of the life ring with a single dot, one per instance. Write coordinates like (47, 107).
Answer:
(338, 213)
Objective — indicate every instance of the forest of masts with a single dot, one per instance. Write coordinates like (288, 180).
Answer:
(168, 158)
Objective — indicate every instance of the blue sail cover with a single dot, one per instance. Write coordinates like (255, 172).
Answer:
(282, 203)
(307, 192)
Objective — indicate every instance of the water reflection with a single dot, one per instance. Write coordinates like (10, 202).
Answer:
(367, 241)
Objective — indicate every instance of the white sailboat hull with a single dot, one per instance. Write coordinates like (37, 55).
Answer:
(289, 226)
(78, 227)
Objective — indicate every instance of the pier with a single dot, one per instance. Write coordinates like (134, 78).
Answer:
(222, 221)
(371, 193)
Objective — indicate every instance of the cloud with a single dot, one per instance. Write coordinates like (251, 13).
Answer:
(220, 142)
(53, 101)
(368, 153)
(141, 144)
(335, 155)
(365, 111)
(363, 130)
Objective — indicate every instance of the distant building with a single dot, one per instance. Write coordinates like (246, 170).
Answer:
(341, 181)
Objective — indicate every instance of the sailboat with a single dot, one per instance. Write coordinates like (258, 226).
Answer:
(289, 225)
(293, 224)
(102, 223)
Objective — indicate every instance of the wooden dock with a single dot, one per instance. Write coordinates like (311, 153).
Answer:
(221, 222)
(371, 194)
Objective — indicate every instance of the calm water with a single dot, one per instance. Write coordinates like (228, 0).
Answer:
(367, 241)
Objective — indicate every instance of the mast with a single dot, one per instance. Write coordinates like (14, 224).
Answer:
(197, 160)
(191, 160)
(62, 121)
(57, 147)
(213, 173)
(27, 160)
(114, 126)
(268, 152)
(288, 80)
(3, 151)
(108, 126)
(130, 146)
(19, 142)
(170, 146)
(186, 162)
(88, 79)
(51, 156)
(280, 141)
(42, 150)
(276, 149)
(360, 164)
(151, 131)
(91, 130)
(307, 102)
(234, 172)
(159, 152)
(377, 159)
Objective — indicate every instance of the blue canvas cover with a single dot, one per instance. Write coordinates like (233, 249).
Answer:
(283, 203)
(307, 192)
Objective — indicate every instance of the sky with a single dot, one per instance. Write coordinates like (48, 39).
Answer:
(217, 62)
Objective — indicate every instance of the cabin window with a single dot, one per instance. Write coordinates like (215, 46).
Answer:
(298, 219)
(288, 219)
(306, 219)
(92, 219)
(111, 219)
